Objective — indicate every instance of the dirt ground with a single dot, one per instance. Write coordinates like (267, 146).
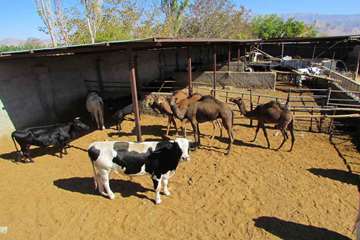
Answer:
(254, 193)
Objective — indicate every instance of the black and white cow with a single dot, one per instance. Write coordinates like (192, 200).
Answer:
(157, 159)
(56, 135)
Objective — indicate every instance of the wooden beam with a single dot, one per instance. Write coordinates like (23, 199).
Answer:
(229, 57)
(357, 67)
(189, 69)
(134, 95)
(214, 74)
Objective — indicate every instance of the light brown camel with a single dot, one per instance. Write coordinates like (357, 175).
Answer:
(271, 112)
(183, 99)
(161, 105)
(205, 109)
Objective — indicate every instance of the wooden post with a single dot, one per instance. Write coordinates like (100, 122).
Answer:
(177, 59)
(311, 119)
(189, 71)
(251, 107)
(229, 57)
(357, 67)
(99, 76)
(214, 75)
(238, 58)
(226, 96)
(328, 96)
(134, 95)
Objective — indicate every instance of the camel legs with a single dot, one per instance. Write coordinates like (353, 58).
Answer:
(265, 133)
(171, 120)
(195, 127)
(216, 124)
(183, 127)
(227, 123)
(256, 133)
(290, 127)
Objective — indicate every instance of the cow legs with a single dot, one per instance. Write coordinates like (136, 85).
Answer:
(104, 183)
(165, 181)
(157, 187)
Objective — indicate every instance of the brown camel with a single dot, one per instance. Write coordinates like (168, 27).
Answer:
(161, 105)
(183, 99)
(271, 112)
(202, 110)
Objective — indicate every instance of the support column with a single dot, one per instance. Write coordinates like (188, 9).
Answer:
(357, 66)
(229, 57)
(214, 74)
(282, 50)
(189, 69)
(238, 58)
(134, 95)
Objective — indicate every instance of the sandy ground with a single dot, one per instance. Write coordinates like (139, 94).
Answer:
(254, 193)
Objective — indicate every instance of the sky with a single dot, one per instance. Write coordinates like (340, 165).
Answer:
(18, 18)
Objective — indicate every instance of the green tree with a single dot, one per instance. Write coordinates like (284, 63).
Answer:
(273, 26)
(216, 19)
(174, 14)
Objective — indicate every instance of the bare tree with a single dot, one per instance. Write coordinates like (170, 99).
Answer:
(44, 10)
(61, 22)
(93, 10)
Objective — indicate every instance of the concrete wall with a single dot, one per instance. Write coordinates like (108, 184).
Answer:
(263, 80)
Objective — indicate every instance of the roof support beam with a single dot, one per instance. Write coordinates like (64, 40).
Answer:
(134, 95)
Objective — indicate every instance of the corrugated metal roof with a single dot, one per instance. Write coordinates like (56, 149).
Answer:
(117, 45)
(156, 42)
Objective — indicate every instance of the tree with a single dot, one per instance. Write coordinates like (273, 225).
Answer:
(216, 19)
(174, 15)
(44, 9)
(61, 22)
(273, 26)
(93, 15)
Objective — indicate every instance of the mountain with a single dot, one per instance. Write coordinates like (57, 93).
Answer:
(330, 25)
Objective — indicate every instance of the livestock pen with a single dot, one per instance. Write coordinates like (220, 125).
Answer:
(253, 193)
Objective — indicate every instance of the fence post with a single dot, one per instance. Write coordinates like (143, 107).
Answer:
(328, 96)
(226, 97)
(251, 107)
(311, 119)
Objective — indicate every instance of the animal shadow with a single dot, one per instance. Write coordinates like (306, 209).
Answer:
(35, 152)
(290, 230)
(338, 175)
(85, 185)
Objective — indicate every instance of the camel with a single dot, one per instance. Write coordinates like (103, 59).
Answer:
(198, 110)
(271, 112)
(161, 105)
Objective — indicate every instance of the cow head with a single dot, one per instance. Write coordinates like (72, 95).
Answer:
(184, 146)
(80, 126)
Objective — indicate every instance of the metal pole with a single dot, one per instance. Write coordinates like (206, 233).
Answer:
(134, 95)
(189, 71)
(282, 50)
(214, 76)
(238, 58)
(357, 66)
(229, 57)
(251, 107)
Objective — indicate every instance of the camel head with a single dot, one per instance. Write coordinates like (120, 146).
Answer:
(237, 101)
(149, 100)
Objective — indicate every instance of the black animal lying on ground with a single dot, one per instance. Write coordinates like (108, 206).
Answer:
(55, 135)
